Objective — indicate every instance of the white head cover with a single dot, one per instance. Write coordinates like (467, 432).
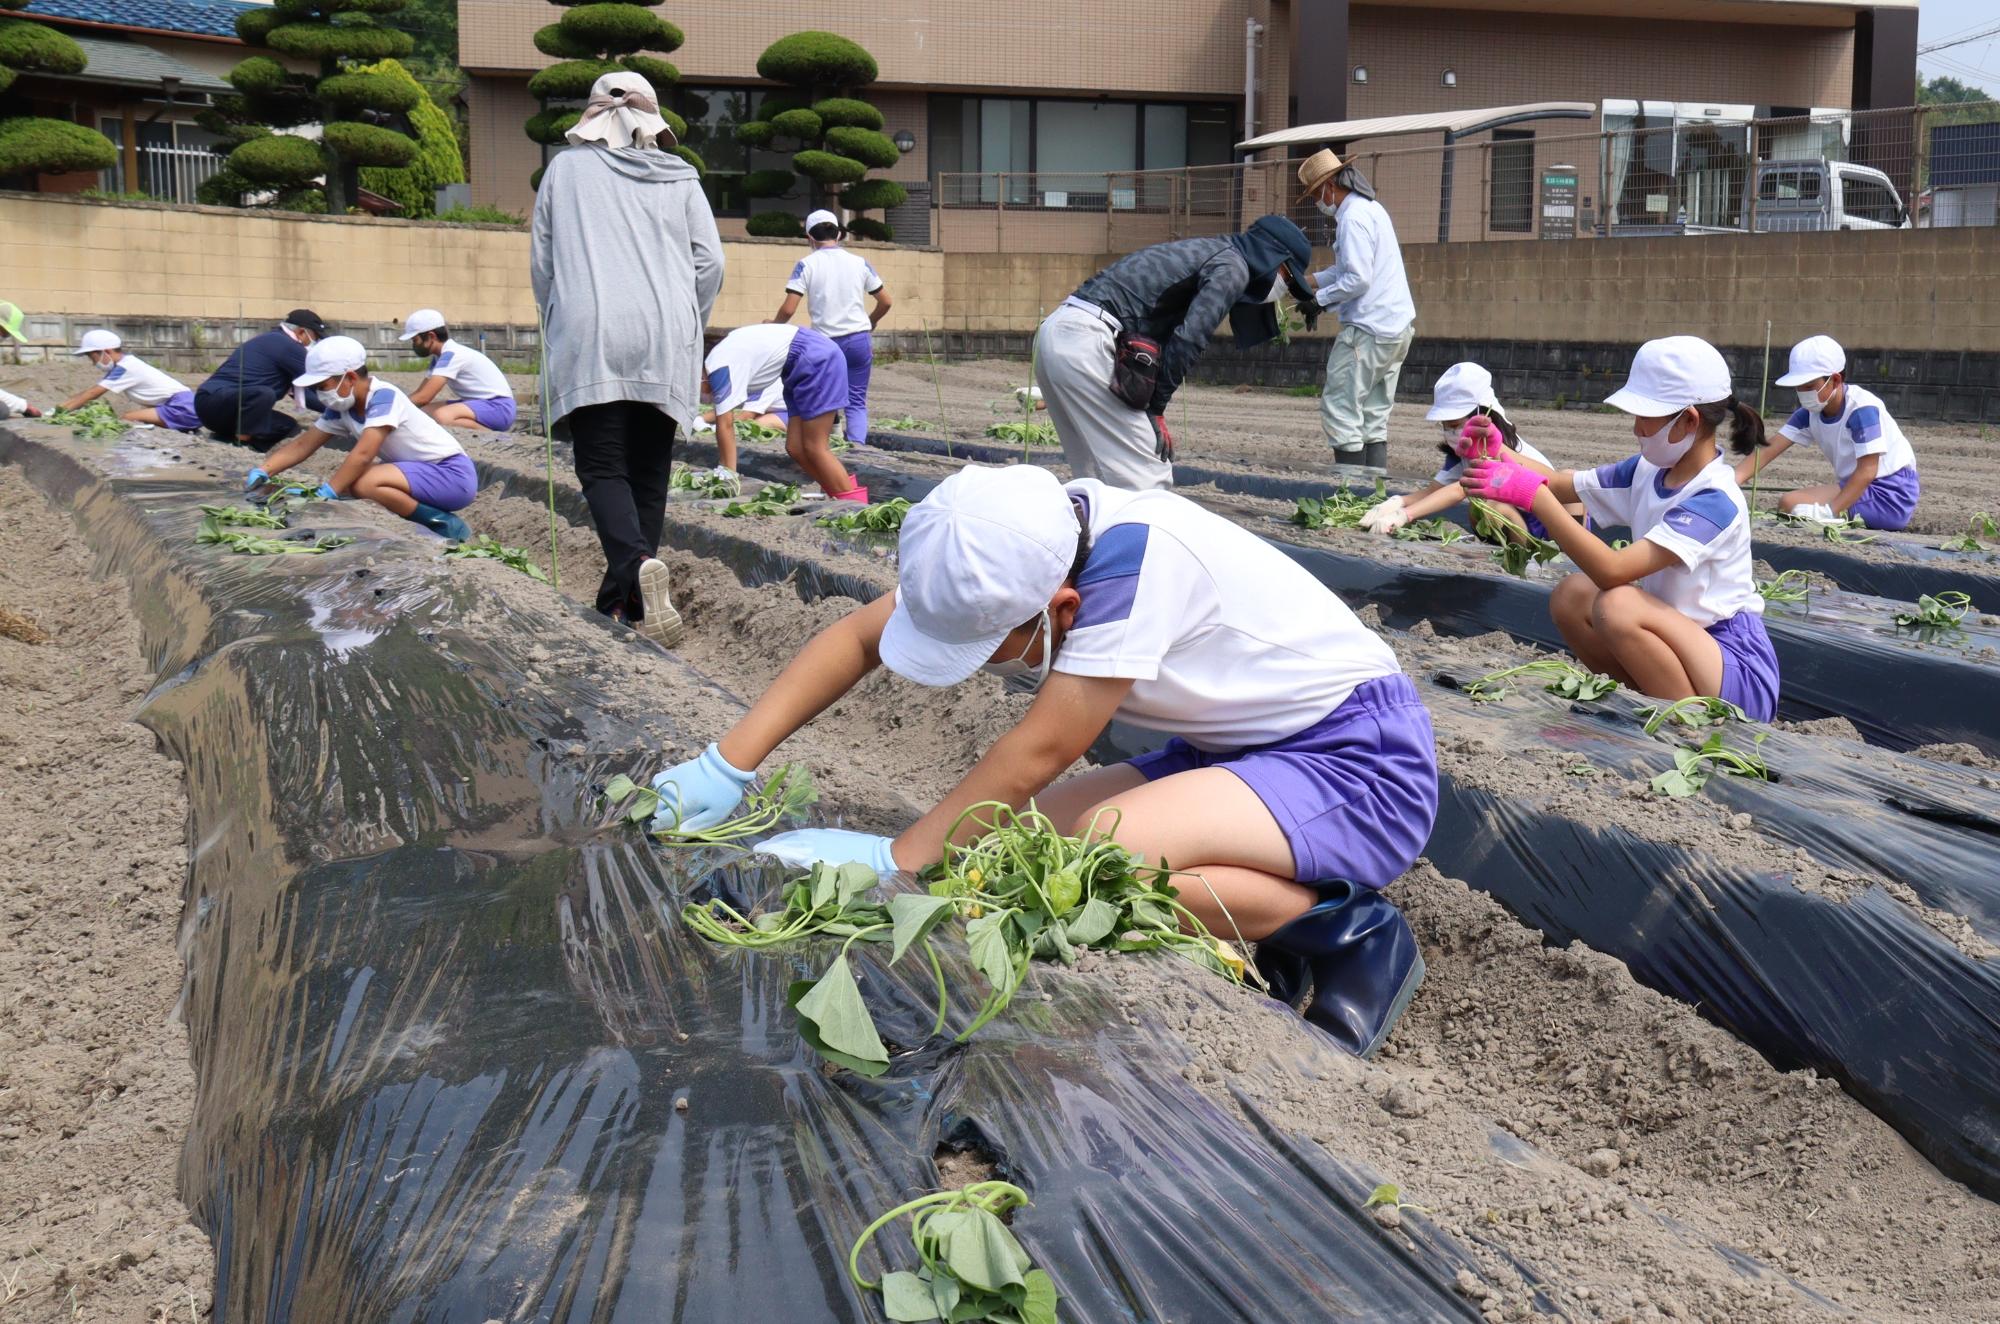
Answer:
(1463, 390)
(422, 320)
(95, 341)
(333, 357)
(622, 112)
(1669, 375)
(1813, 358)
(979, 556)
(819, 218)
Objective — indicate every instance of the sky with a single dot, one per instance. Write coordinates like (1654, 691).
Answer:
(1977, 63)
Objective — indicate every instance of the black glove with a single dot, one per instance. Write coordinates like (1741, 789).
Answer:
(1309, 311)
(1300, 290)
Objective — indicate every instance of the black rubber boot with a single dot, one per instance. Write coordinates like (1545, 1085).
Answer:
(1375, 455)
(1356, 951)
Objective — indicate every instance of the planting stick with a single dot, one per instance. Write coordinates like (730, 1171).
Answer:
(944, 424)
(1763, 401)
(548, 440)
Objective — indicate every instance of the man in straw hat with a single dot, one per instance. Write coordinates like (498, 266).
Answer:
(1368, 291)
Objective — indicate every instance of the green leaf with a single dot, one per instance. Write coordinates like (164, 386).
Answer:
(834, 1019)
(1093, 923)
(619, 787)
(915, 915)
(1387, 1193)
(825, 885)
(1065, 890)
(852, 880)
(982, 1253)
(906, 1297)
(986, 939)
(945, 1294)
(645, 803)
(1040, 1305)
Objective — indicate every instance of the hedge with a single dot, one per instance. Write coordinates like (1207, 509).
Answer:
(347, 41)
(836, 112)
(548, 127)
(554, 42)
(816, 59)
(366, 145)
(224, 188)
(775, 225)
(769, 183)
(569, 80)
(874, 195)
(827, 168)
(620, 28)
(255, 25)
(660, 73)
(437, 161)
(756, 133)
(800, 124)
(260, 74)
(52, 147)
(689, 155)
(865, 227)
(278, 161)
(26, 46)
(864, 145)
(674, 122)
(370, 90)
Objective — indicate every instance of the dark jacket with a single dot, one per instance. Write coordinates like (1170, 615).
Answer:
(264, 362)
(1177, 293)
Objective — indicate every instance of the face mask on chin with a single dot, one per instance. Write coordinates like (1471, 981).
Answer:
(1017, 673)
(1656, 449)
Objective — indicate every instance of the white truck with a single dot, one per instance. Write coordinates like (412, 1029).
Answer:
(1809, 194)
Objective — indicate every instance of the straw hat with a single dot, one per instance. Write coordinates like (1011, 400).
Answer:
(1316, 169)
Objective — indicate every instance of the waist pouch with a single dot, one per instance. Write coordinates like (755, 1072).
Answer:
(1135, 369)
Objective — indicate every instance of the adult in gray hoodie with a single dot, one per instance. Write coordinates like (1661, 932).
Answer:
(627, 265)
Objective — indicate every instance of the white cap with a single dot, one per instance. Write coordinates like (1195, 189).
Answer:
(331, 357)
(1669, 375)
(422, 320)
(1463, 390)
(978, 558)
(100, 339)
(816, 219)
(1813, 358)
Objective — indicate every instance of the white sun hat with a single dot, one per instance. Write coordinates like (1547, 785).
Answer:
(978, 557)
(422, 320)
(1813, 358)
(1670, 374)
(96, 341)
(623, 111)
(1462, 390)
(331, 357)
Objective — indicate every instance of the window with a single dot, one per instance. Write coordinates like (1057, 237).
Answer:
(1077, 140)
(1869, 200)
(1790, 185)
(174, 158)
(712, 115)
(1511, 191)
(1067, 153)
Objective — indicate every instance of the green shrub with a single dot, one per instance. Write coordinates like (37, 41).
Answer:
(31, 47)
(308, 200)
(775, 225)
(259, 74)
(800, 124)
(874, 195)
(535, 179)
(569, 80)
(769, 183)
(650, 4)
(674, 122)
(755, 133)
(867, 227)
(836, 112)
(480, 214)
(277, 161)
(660, 73)
(548, 127)
(778, 102)
(7, 77)
(53, 147)
(816, 59)
(827, 168)
(620, 28)
(366, 145)
(693, 158)
(365, 6)
(864, 145)
(437, 161)
(345, 41)
(554, 42)
(254, 25)
(224, 188)
(351, 93)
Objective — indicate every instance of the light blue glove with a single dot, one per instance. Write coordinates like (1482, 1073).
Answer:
(809, 846)
(326, 492)
(700, 793)
(256, 476)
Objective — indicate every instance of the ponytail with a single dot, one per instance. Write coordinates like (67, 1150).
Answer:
(1746, 425)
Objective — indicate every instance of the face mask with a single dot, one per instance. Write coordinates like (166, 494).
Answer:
(1019, 675)
(1657, 450)
(343, 402)
(1809, 399)
(1326, 208)
(1277, 287)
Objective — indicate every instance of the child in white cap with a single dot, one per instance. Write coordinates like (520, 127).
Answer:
(833, 281)
(1676, 613)
(484, 399)
(1475, 424)
(163, 402)
(1301, 778)
(1874, 469)
(812, 372)
(401, 458)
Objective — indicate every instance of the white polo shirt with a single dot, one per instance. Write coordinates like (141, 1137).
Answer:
(1454, 471)
(140, 382)
(1862, 427)
(834, 282)
(472, 375)
(1706, 525)
(1230, 643)
(1366, 286)
(413, 435)
(746, 362)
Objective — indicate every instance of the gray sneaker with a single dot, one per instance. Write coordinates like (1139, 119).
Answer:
(662, 623)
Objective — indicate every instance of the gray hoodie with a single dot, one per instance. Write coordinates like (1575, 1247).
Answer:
(626, 264)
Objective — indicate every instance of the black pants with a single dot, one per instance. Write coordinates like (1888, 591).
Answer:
(232, 415)
(624, 452)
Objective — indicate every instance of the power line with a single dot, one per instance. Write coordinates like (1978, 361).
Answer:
(1959, 41)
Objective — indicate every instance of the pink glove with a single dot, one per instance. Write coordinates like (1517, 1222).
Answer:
(1478, 440)
(1499, 480)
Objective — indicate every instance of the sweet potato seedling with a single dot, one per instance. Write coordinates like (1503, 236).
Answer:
(1980, 526)
(1791, 586)
(1937, 612)
(1516, 548)
(882, 517)
(1696, 711)
(255, 517)
(749, 430)
(1431, 530)
(785, 794)
(212, 533)
(908, 423)
(770, 499)
(973, 1267)
(703, 482)
(1693, 767)
(1023, 433)
(485, 547)
(1339, 509)
(96, 419)
(1559, 677)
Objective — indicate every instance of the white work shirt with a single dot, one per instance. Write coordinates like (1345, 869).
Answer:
(1366, 286)
(1454, 471)
(746, 362)
(834, 281)
(472, 375)
(139, 381)
(1230, 643)
(1862, 427)
(413, 435)
(1705, 524)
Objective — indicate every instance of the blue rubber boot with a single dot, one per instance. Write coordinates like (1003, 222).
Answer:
(441, 522)
(1356, 952)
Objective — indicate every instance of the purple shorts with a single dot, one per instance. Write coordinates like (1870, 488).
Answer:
(1535, 526)
(177, 412)
(815, 375)
(495, 413)
(1889, 502)
(446, 484)
(858, 348)
(1749, 666)
(1356, 792)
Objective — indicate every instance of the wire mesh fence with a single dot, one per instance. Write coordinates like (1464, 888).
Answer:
(1654, 168)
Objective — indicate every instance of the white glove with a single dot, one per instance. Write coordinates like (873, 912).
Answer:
(730, 477)
(1385, 516)
(1820, 513)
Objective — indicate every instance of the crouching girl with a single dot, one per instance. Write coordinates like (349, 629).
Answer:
(402, 459)
(1676, 613)
(1301, 775)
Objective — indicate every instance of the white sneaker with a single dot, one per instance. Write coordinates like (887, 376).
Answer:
(662, 623)
(700, 427)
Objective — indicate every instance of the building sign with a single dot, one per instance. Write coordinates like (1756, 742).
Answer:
(1559, 202)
